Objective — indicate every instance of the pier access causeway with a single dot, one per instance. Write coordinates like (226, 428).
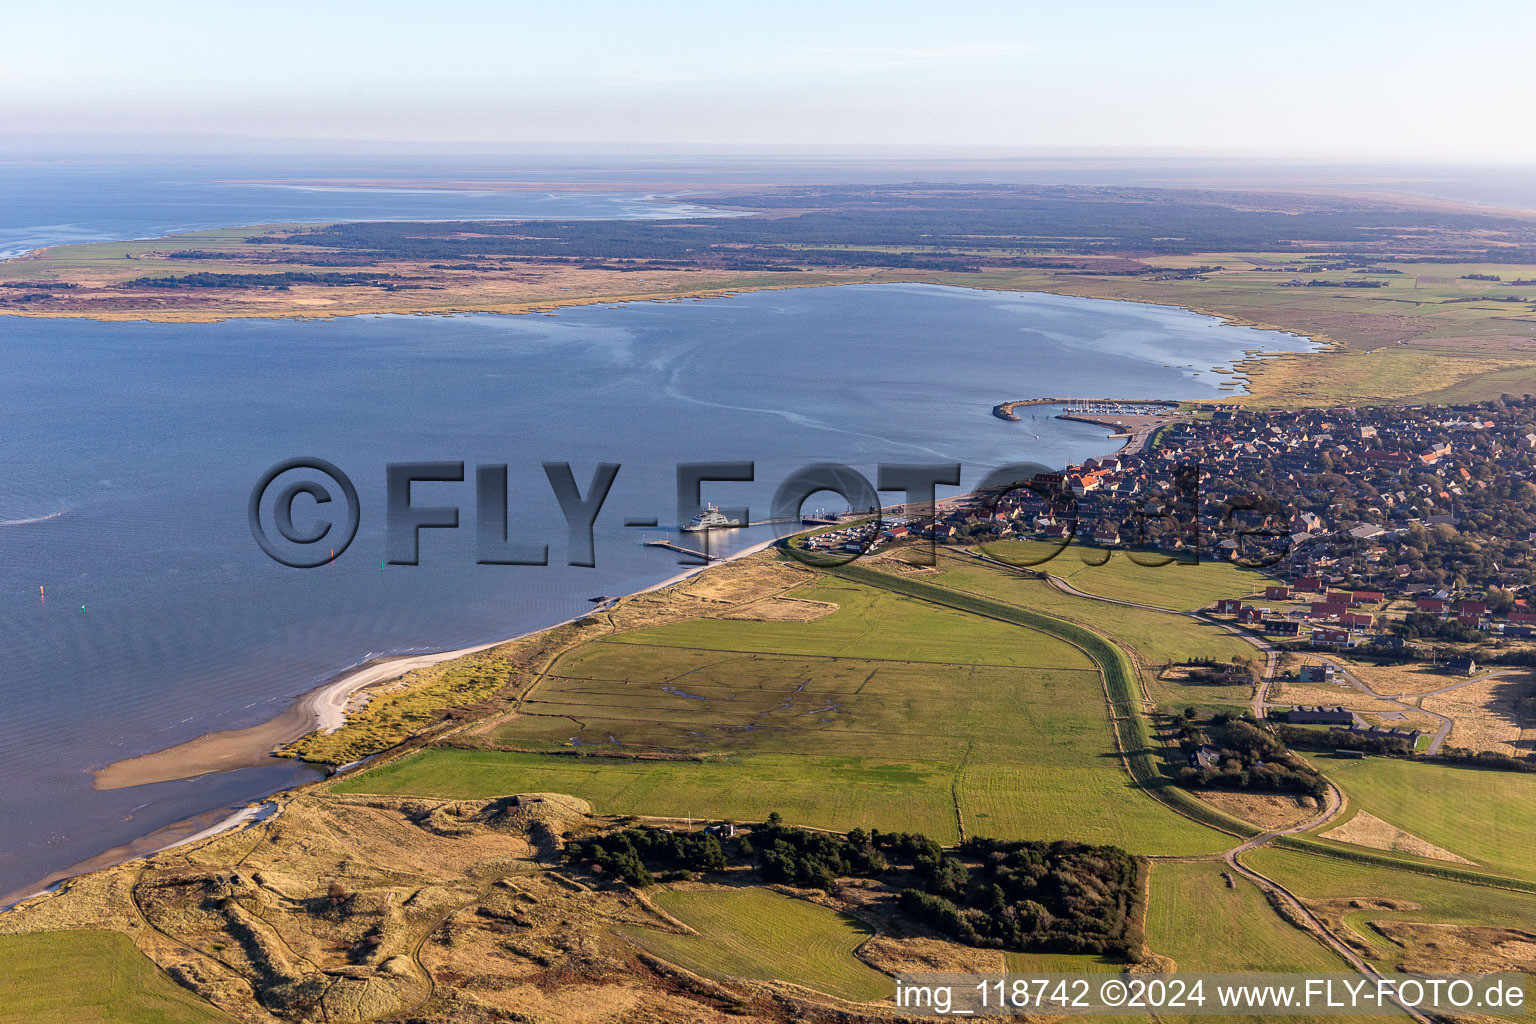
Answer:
(1133, 419)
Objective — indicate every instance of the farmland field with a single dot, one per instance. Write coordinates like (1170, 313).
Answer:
(946, 719)
(84, 977)
(1484, 816)
(762, 935)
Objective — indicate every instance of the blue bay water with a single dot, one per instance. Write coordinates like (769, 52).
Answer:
(54, 202)
(130, 450)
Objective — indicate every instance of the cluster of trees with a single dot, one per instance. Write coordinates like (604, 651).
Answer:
(815, 860)
(635, 854)
(318, 259)
(1043, 897)
(1399, 746)
(1346, 284)
(1428, 626)
(1241, 755)
(1061, 897)
(1209, 671)
(1342, 739)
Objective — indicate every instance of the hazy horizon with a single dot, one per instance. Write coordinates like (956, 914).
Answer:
(1112, 81)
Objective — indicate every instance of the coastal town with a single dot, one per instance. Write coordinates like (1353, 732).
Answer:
(1378, 527)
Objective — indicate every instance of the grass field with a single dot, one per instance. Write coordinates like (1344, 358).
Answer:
(870, 624)
(1435, 900)
(1174, 586)
(88, 977)
(1487, 817)
(826, 792)
(1204, 925)
(937, 716)
(1060, 963)
(762, 935)
(1153, 637)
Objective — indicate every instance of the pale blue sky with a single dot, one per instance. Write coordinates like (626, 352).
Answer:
(1298, 79)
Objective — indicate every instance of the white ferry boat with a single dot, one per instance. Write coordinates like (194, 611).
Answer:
(710, 519)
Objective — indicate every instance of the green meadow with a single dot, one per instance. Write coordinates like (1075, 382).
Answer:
(1488, 817)
(91, 977)
(762, 935)
(1204, 924)
(1175, 586)
(890, 712)
(1153, 638)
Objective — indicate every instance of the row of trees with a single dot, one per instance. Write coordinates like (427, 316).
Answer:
(1058, 897)
(1342, 739)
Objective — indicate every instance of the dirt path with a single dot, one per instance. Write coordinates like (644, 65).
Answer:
(1332, 809)
(1271, 654)
(1404, 701)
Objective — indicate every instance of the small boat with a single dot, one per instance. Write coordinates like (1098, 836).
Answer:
(710, 519)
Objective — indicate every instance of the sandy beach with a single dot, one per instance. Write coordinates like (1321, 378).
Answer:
(322, 709)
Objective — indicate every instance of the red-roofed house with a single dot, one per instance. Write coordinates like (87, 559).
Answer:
(1332, 637)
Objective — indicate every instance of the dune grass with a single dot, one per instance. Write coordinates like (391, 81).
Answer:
(1419, 897)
